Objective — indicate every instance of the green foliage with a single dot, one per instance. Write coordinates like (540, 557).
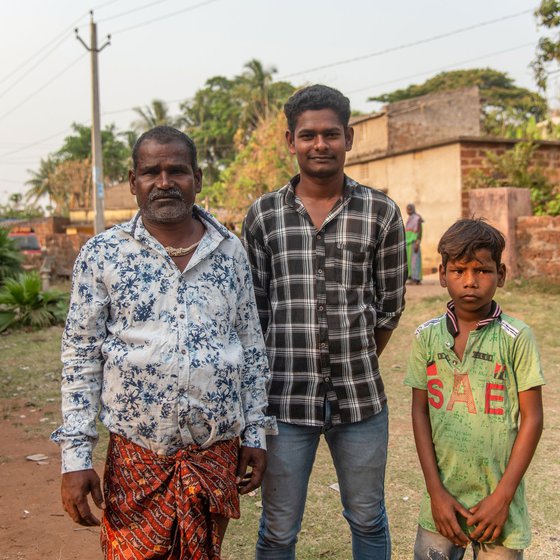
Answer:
(548, 49)
(503, 104)
(10, 257)
(23, 304)
(115, 152)
(516, 168)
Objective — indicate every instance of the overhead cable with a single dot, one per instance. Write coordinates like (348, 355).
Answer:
(408, 45)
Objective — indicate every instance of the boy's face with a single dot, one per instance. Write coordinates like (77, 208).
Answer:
(472, 284)
(320, 143)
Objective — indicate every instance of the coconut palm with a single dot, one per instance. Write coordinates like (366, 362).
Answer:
(41, 181)
(155, 114)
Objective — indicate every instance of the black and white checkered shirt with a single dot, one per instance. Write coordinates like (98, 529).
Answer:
(321, 294)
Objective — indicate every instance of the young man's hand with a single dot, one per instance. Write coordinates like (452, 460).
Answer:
(488, 517)
(444, 511)
(256, 459)
(75, 488)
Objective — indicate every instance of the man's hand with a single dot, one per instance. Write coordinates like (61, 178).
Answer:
(488, 518)
(75, 488)
(444, 511)
(256, 459)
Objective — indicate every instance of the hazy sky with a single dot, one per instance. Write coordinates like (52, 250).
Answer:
(379, 46)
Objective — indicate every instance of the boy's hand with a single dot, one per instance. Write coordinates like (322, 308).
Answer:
(444, 511)
(488, 517)
(249, 480)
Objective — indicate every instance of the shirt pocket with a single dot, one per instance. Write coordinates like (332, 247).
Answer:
(351, 264)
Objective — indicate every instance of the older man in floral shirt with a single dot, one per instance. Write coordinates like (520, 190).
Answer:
(163, 341)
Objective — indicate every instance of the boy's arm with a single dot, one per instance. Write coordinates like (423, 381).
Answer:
(489, 516)
(444, 506)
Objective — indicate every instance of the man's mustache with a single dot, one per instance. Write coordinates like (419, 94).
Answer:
(169, 193)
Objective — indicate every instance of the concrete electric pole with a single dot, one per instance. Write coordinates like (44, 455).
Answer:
(96, 149)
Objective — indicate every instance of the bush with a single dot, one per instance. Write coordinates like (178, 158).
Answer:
(23, 304)
(10, 257)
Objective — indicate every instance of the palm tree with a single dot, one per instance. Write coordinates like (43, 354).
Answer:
(155, 114)
(41, 181)
(10, 257)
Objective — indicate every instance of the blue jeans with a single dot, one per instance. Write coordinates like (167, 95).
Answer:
(359, 453)
(433, 546)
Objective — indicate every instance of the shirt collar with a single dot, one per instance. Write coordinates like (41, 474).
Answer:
(453, 323)
(349, 186)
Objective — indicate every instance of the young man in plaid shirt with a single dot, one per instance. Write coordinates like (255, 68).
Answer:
(329, 267)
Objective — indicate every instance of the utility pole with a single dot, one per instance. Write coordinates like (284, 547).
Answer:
(96, 149)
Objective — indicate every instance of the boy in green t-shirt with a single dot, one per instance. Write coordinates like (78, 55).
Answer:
(477, 413)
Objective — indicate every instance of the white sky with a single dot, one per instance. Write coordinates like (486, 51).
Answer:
(172, 58)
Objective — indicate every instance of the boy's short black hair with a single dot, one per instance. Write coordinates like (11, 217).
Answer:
(165, 135)
(466, 236)
(315, 98)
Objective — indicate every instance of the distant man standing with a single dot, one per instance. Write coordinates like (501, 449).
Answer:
(329, 267)
(163, 340)
(413, 240)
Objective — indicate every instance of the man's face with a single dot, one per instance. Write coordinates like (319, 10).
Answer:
(472, 284)
(320, 143)
(164, 182)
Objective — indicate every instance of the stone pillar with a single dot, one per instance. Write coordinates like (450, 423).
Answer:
(501, 207)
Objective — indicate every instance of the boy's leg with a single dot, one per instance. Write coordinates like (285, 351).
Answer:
(433, 546)
(359, 452)
(488, 551)
(290, 457)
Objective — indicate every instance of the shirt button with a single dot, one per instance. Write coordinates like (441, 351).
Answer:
(318, 236)
(327, 380)
(320, 271)
(321, 308)
(182, 316)
(183, 351)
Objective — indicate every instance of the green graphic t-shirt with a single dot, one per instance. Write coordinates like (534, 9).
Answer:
(474, 408)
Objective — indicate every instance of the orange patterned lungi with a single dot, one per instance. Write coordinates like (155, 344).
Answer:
(158, 507)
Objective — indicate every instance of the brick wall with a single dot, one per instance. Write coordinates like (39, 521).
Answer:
(538, 247)
(62, 250)
(432, 118)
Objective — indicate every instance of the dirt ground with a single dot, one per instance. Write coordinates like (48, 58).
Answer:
(33, 525)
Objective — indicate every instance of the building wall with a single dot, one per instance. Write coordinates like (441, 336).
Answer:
(538, 247)
(430, 179)
(370, 136)
(432, 118)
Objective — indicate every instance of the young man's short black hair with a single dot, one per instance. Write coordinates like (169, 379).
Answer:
(466, 236)
(315, 98)
(166, 135)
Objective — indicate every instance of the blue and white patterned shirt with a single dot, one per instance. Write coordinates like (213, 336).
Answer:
(167, 358)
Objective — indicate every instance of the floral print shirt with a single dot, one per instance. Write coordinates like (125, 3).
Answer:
(165, 357)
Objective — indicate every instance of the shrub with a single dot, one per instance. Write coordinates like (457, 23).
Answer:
(23, 304)
(10, 257)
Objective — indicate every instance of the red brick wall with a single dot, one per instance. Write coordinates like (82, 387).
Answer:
(538, 247)
(63, 250)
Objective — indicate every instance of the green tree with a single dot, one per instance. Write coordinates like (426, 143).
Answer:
(115, 153)
(503, 104)
(517, 168)
(10, 257)
(263, 165)
(155, 114)
(212, 118)
(41, 181)
(548, 49)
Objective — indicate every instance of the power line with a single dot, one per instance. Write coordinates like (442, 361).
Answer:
(440, 68)
(200, 5)
(137, 9)
(407, 45)
(42, 87)
(23, 148)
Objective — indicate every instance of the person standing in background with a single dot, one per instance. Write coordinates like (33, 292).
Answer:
(413, 239)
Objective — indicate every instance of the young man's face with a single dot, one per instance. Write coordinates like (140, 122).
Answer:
(320, 143)
(472, 284)
(164, 182)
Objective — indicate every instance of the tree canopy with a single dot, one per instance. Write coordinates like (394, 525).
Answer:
(503, 104)
(548, 48)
